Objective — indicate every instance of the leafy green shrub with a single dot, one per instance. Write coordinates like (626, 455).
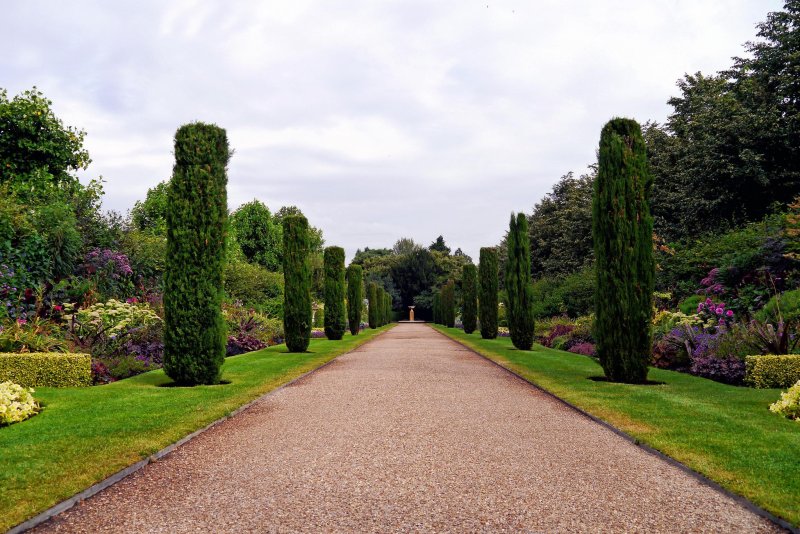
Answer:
(126, 366)
(770, 371)
(547, 301)
(197, 213)
(689, 305)
(560, 342)
(355, 297)
(259, 234)
(42, 369)
(469, 311)
(487, 292)
(335, 316)
(297, 311)
(518, 283)
(577, 292)
(34, 335)
(57, 224)
(622, 229)
(784, 307)
(16, 403)
(103, 328)
(147, 254)
(255, 286)
(318, 320)
(789, 403)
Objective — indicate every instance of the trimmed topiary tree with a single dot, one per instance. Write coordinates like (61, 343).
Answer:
(469, 292)
(449, 304)
(372, 310)
(197, 214)
(622, 228)
(335, 316)
(355, 296)
(297, 313)
(518, 283)
(487, 296)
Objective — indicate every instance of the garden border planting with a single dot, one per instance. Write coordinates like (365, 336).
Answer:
(357, 342)
(46, 369)
(636, 441)
(771, 371)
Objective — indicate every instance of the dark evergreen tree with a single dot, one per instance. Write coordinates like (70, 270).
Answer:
(488, 292)
(372, 310)
(623, 243)
(469, 291)
(387, 308)
(437, 307)
(297, 313)
(335, 315)
(449, 304)
(355, 296)
(518, 283)
(197, 212)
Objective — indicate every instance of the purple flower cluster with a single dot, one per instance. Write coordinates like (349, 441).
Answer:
(116, 264)
(715, 311)
(316, 333)
(729, 370)
(710, 284)
(585, 348)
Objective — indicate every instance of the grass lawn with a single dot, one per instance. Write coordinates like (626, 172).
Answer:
(724, 432)
(86, 434)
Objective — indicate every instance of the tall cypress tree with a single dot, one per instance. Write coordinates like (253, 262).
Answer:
(469, 290)
(372, 310)
(387, 309)
(622, 228)
(335, 316)
(297, 313)
(488, 292)
(197, 215)
(437, 307)
(355, 297)
(449, 304)
(518, 283)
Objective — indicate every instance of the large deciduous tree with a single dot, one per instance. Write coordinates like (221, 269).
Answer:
(518, 283)
(297, 311)
(258, 234)
(194, 330)
(623, 241)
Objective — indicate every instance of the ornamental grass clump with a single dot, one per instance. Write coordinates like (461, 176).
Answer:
(16, 403)
(622, 229)
(789, 403)
(335, 315)
(197, 215)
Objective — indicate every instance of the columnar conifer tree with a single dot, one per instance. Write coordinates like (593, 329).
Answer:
(449, 304)
(622, 228)
(197, 213)
(469, 291)
(381, 306)
(437, 307)
(355, 296)
(372, 310)
(518, 283)
(297, 313)
(335, 315)
(488, 292)
(387, 310)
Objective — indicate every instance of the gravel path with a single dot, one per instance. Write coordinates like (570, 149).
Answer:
(410, 432)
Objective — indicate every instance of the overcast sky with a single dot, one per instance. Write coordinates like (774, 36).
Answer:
(380, 120)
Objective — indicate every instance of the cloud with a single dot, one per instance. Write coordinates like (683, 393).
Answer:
(380, 120)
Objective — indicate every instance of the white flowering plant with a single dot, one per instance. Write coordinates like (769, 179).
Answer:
(789, 403)
(16, 403)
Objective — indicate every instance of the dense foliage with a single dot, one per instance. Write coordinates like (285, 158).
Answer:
(297, 313)
(335, 313)
(469, 292)
(448, 304)
(622, 231)
(487, 297)
(355, 297)
(519, 301)
(197, 213)
(373, 316)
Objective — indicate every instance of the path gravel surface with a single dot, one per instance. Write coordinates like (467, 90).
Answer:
(410, 432)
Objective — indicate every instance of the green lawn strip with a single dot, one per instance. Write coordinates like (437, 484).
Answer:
(86, 434)
(724, 432)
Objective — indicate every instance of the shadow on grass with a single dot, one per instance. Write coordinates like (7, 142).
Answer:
(179, 385)
(606, 379)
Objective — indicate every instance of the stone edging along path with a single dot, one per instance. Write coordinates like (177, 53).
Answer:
(672, 461)
(138, 466)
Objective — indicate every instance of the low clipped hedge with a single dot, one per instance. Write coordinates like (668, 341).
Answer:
(46, 369)
(772, 371)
